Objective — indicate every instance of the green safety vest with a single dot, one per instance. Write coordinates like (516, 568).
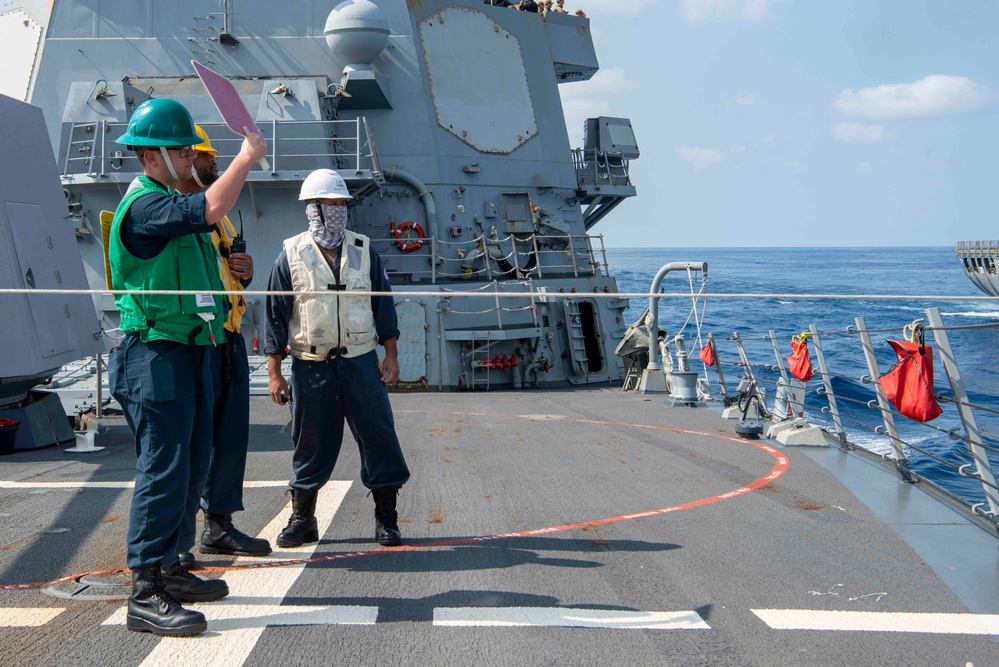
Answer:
(188, 262)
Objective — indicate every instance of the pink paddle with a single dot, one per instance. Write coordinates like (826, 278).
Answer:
(227, 101)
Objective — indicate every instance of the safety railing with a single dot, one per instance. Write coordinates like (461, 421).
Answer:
(596, 167)
(501, 259)
(859, 415)
(91, 149)
(977, 249)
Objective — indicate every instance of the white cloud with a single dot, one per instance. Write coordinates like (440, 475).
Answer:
(753, 10)
(795, 167)
(745, 100)
(699, 11)
(863, 167)
(767, 140)
(700, 158)
(609, 7)
(589, 99)
(858, 133)
(934, 95)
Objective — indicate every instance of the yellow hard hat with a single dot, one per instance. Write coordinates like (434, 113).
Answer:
(206, 145)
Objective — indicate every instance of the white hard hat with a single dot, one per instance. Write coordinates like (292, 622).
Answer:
(324, 184)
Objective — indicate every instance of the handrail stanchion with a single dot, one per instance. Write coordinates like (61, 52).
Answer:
(485, 257)
(982, 465)
(102, 128)
(69, 150)
(433, 260)
(718, 369)
(901, 462)
(274, 146)
(357, 147)
(742, 356)
(100, 389)
(537, 255)
(747, 369)
(572, 253)
(827, 382)
(780, 360)
(499, 309)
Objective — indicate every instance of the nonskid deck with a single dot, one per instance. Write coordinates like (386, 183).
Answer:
(582, 526)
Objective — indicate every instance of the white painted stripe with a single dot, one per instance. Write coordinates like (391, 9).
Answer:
(115, 485)
(236, 623)
(567, 617)
(872, 621)
(27, 617)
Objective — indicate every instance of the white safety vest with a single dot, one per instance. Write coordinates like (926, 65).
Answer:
(322, 323)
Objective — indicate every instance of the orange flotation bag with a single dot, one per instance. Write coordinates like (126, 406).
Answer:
(800, 361)
(909, 383)
(708, 355)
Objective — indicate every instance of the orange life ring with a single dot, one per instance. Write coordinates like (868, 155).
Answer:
(409, 243)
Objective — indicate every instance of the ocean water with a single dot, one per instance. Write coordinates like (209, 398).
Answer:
(912, 271)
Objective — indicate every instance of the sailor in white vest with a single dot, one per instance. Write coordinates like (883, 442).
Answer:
(334, 370)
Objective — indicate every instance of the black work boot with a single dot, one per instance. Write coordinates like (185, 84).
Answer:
(221, 537)
(152, 609)
(186, 560)
(302, 526)
(386, 518)
(186, 587)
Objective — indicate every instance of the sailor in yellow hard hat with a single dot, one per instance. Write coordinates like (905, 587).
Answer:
(230, 370)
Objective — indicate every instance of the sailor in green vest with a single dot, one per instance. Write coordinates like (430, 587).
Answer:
(159, 373)
(223, 492)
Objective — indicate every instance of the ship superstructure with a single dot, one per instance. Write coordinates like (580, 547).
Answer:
(443, 116)
(979, 259)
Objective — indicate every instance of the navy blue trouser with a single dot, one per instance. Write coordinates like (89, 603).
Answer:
(231, 375)
(223, 489)
(323, 397)
(155, 385)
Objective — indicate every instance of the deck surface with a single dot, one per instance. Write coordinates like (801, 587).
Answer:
(725, 567)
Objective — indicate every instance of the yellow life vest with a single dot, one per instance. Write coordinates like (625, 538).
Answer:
(223, 236)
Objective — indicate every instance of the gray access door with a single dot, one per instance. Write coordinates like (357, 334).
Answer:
(38, 263)
(412, 340)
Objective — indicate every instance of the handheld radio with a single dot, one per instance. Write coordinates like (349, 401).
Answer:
(239, 243)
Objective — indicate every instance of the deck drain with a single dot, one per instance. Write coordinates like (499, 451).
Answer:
(114, 586)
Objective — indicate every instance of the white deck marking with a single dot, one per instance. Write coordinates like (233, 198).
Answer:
(566, 617)
(236, 623)
(27, 617)
(872, 621)
(115, 485)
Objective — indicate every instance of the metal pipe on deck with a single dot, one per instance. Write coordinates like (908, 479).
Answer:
(423, 192)
(654, 306)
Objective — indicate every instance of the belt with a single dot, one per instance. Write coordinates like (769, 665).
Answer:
(332, 355)
(333, 352)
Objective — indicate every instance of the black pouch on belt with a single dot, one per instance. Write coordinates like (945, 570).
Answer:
(199, 379)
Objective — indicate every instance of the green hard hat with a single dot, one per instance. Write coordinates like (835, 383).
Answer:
(160, 122)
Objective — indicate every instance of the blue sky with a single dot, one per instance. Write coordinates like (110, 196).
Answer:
(799, 122)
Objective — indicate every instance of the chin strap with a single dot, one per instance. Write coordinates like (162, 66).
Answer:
(194, 175)
(169, 163)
